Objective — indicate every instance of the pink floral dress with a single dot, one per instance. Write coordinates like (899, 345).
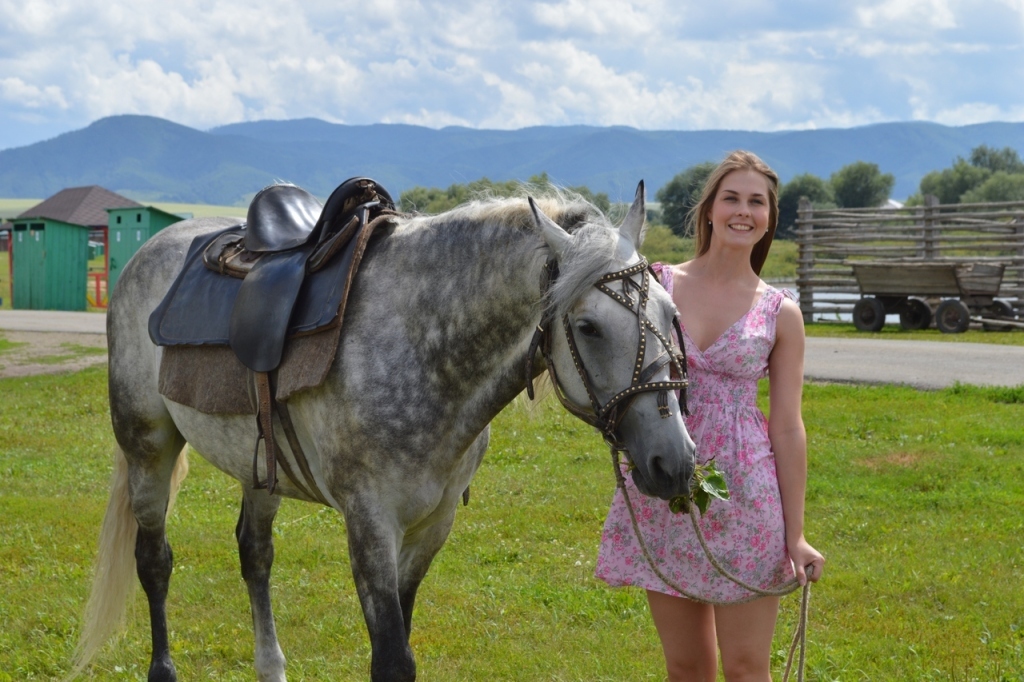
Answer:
(746, 533)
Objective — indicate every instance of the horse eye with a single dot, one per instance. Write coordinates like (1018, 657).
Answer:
(587, 329)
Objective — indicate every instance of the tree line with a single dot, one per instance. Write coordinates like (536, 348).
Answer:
(988, 174)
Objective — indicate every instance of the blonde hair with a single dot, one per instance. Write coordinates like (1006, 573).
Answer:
(700, 215)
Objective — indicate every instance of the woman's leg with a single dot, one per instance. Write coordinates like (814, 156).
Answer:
(745, 638)
(687, 632)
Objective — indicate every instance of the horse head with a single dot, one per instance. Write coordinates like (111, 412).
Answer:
(608, 346)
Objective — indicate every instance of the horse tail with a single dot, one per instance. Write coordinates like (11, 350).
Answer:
(115, 572)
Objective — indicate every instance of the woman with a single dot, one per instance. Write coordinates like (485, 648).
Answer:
(737, 329)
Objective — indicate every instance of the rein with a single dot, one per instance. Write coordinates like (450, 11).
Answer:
(606, 418)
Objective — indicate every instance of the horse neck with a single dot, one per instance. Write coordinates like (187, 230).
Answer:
(475, 300)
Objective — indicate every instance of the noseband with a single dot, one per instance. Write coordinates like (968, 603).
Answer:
(606, 418)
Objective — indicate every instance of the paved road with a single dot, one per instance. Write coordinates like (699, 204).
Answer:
(53, 321)
(923, 364)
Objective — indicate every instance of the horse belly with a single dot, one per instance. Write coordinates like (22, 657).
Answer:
(225, 441)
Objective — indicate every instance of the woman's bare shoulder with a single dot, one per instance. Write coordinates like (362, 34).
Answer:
(790, 320)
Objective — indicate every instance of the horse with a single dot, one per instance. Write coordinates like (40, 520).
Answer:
(444, 327)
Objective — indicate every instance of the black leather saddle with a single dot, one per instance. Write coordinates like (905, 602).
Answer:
(286, 271)
(280, 273)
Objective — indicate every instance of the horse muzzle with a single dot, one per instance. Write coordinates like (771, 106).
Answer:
(664, 472)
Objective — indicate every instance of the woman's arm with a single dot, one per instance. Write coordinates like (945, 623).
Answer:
(788, 437)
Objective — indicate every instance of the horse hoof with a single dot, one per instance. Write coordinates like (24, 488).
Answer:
(162, 670)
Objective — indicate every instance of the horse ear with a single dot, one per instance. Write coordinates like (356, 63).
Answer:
(557, 239)
(635, 224)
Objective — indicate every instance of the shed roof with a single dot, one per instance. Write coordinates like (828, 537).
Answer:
(80, 206)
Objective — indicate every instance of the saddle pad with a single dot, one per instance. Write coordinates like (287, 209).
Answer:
(212, 380)
(198, 307)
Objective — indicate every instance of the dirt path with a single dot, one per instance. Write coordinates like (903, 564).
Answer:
(50, 352)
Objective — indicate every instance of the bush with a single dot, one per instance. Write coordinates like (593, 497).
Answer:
(1001, 186)
(806, 185)
(861, 185)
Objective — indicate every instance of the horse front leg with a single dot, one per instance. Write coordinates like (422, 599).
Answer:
(421, 546)
(373, 550)
(414, 559)
(256, 552)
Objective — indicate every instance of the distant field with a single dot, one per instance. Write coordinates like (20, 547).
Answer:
(9, 208)
(12, 207)
(200, 210)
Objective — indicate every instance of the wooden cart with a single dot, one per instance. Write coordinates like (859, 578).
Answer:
(905, 287)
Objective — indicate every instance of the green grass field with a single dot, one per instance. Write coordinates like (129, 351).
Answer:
(916, 498)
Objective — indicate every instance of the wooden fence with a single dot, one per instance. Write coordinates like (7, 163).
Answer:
(829, 240)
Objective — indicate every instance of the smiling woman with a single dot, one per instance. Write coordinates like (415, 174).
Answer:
(736, 330)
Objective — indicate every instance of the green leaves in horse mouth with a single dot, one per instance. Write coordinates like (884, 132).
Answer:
(708, 484)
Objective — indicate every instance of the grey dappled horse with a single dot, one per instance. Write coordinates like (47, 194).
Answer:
(435, 340)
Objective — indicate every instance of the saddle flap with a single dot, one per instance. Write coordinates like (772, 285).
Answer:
(263, 309)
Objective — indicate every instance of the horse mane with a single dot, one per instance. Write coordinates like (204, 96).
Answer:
(592, 252)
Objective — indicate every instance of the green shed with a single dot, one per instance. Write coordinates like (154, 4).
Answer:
(50, 263)
(127, 230)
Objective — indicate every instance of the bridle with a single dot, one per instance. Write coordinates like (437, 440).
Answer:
(606, 418)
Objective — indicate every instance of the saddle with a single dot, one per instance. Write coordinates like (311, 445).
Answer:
(260, 286)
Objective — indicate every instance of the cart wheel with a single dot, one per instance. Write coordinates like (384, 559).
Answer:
(916, 315)
(952, 316)
(869, 314)
(1000, 309)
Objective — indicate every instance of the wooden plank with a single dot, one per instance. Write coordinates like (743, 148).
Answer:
(980, 279)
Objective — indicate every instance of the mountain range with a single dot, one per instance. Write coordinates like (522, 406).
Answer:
(152, 159)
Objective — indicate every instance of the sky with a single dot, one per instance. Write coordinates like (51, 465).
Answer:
(507, 64)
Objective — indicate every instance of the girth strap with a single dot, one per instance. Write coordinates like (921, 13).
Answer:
(267, 407)
(310, 489)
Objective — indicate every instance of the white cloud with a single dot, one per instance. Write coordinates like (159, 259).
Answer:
(977, 112)
(30, 96)
(508, 64)
(913, 15)
(602, 18)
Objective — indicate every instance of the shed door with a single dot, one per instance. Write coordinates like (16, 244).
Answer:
(29, 277)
